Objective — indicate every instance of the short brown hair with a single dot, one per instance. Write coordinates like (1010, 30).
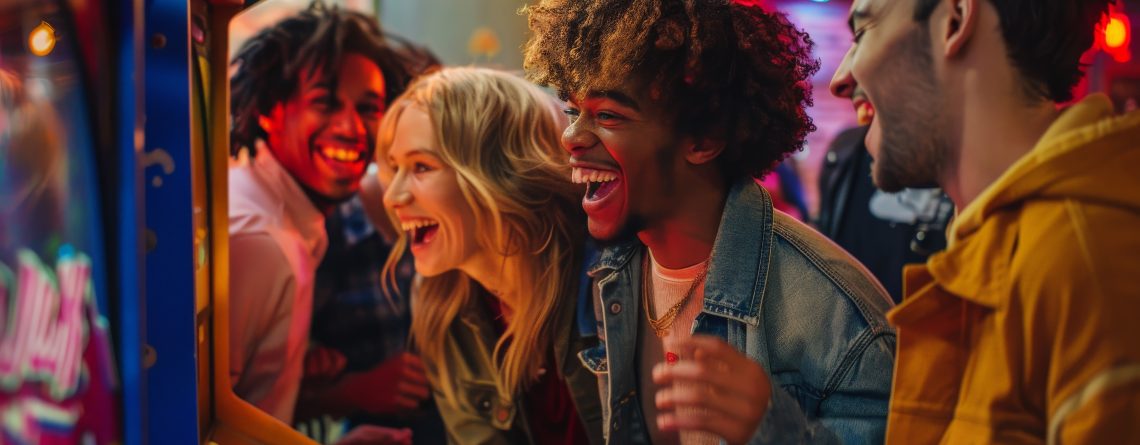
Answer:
(1044, 39)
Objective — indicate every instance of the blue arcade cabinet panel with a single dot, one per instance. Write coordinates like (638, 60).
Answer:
(58, 379)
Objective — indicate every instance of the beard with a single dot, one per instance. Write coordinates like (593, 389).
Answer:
(913, 150)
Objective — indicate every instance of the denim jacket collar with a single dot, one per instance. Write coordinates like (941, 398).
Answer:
(727, 293)
(743, 247)
(614, 256)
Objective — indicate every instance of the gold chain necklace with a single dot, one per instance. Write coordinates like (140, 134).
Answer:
(662, 325)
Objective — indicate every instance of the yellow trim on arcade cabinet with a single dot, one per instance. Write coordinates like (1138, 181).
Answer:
(235, 421)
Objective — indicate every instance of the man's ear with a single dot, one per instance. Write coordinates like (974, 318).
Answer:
(704, 151)
(268, 122)
(265, 122)
(960, 22)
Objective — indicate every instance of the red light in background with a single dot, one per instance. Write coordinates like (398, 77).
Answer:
(1116, 32)
(1114, 36)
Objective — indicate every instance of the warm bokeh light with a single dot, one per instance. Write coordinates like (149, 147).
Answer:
(1115, 33)
(42, 39)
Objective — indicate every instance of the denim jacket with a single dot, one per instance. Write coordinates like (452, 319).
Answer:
(780, 293)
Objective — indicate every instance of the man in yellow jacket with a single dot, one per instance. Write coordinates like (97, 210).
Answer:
(1025, 329)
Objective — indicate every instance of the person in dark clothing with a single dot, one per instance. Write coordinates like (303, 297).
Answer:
(884, 231)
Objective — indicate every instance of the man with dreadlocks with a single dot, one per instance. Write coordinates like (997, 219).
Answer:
(306, 99)
(719, 318)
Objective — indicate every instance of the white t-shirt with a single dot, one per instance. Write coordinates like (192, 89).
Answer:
(277, 240)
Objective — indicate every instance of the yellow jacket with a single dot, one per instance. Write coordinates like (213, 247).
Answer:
(1027, 328)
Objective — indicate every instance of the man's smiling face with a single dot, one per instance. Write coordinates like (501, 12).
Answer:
(891, 61)
(324, 135)
(625, 147)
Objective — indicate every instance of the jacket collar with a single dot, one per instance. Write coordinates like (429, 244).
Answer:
(976, 265)
(978, 270)
(614, 256)
(742, 254)
(1072, 148)
(743, 243)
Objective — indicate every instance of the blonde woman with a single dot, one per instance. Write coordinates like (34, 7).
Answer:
(478, 183)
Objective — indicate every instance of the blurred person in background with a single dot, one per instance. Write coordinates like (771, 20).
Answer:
(783, 183)
(32, 171)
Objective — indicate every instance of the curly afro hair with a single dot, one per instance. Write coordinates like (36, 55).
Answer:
(729, 70)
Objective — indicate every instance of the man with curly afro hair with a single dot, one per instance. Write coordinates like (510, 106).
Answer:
(717, 317)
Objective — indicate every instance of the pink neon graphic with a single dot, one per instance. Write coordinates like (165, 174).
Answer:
(56, 372)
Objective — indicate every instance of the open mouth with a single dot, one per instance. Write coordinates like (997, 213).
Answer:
(420, 231)
(605, 198)
(864, 112)
(599, 183)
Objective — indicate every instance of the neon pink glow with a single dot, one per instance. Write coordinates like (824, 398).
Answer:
(56, 381)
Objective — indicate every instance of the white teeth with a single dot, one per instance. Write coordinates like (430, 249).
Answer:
(408, 226)
(585, 175)
(340, 154)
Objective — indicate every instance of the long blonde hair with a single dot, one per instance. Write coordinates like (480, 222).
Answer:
(501, 135)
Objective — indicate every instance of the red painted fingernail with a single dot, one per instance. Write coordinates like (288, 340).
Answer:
(671, 358)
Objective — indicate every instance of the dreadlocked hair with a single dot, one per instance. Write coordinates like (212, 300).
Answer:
(730, 70)
(269, 65)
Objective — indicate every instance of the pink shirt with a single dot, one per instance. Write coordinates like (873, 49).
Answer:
(277, 240)
(669, 288)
